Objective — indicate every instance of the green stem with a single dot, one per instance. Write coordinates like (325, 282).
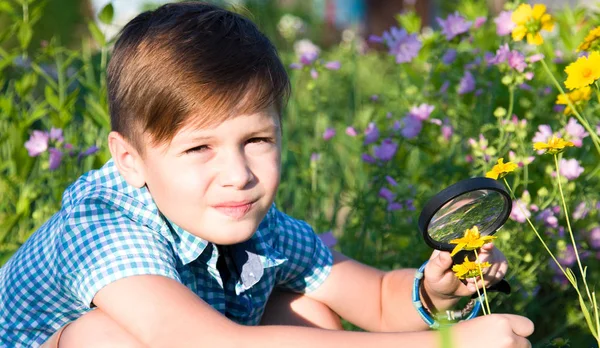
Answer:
(482, 281)
(580, 118)
(533, 227)
(562, 197)
(479, 296)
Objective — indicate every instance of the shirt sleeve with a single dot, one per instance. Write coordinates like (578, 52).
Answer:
(309, 261)
(100, 248)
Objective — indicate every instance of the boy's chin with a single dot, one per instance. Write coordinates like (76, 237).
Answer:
(232, 233)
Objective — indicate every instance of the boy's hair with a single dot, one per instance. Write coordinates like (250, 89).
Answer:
(190, 63)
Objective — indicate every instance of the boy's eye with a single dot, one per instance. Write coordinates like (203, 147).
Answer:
(197, 149)
(259, 140)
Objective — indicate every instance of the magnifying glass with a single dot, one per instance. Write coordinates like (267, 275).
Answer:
(481, 202)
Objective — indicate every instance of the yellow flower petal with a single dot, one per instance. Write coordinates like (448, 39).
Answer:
(535, 39)
(492, 175)
(519, 32)
(522, 14)
(547, 22)
(583, 72)
(538, 11)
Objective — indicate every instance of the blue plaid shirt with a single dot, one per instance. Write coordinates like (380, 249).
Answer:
(107, 230)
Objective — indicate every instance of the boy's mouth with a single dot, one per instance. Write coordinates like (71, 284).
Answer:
(235, 210)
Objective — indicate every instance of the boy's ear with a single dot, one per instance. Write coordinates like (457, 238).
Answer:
(127, 159)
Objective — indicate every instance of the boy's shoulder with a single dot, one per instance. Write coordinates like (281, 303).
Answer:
(104, 190)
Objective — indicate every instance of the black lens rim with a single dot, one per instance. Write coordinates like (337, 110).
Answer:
(455, 190)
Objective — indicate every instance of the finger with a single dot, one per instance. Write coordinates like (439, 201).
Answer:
(439, 265)
(488, 246)
(520, 325)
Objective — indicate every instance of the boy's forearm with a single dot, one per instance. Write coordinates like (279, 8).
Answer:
(291, 336)
(397, 310)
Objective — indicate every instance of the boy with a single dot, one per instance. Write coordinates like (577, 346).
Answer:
(175, 242)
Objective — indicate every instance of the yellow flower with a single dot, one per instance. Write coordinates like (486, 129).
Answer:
(469, 269)
(590, 41)
(529, 22)
(583, 72)
(553, 146)
(470, 241)
(577, 97)
(500, 170)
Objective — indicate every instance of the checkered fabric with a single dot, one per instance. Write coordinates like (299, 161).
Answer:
(107, 230)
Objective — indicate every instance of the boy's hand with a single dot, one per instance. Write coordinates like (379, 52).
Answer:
(441, 285)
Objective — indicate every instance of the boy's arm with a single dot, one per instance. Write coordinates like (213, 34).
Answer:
(160, 312)
(380, 301)
(372, 299)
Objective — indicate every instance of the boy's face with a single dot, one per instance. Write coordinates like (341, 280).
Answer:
(219, 182)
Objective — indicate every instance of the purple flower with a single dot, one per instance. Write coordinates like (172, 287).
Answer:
(422, 111)
(410, 204)
(328, 134)
(535, 58)
(315, 156)
(375, 39)
(371, 133)
(55, 158)
(386, 150)
(467, 83)
(56, 134)
(334, 65)
(567, 257)
(580, 211)
(402, 45)
(444, 87)
(594, 237)
(570, 169)
(449, 56)
(296, 66)
(351, 131)
(575, 132)
(519, 212)
(454, 25)
(504, 23)
(543, 134)
(392, 206)
(411, 126)
(447, 131)
(374, 97)
(368, 158)
(473, 64)
(547, 216)
(307, 51)
(328, 239)
(37, 143)
(479, 21)
(391, 180)
(501, 55)
(516, 60)
(387, 194)
(89, 151)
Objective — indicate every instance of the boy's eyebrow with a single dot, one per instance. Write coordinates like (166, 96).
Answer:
(267, 129)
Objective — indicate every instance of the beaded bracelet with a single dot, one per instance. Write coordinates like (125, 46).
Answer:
(469, 312)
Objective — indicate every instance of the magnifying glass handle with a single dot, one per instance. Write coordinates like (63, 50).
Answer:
(501, 286)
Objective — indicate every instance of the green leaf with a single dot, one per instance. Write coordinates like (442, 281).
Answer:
(96, 33)
(24, 35)
(571, 277)
(98, 113)
(5, 7)
(52, 98)
(106, 14)
(586, 314)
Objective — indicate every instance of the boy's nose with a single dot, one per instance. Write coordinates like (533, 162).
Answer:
(235, 171)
